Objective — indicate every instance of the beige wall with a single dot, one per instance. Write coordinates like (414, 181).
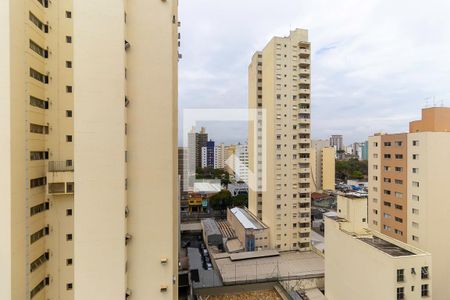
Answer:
(374, 171)
(100, 251)
(6, 251)
(152, 116)
(357, 270)
(429, 220)
(328, 168)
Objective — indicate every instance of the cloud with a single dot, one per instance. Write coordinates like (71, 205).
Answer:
(373, 64)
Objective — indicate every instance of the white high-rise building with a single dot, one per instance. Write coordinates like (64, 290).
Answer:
(241, 163)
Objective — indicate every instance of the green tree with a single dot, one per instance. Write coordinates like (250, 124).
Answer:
(351, 169)
(240, 200)
(221, 200)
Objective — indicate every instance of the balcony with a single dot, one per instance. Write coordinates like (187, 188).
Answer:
(304, 150)
(304, 121)
(304, 51)
(60, 166)
(60, 180)
(304, 61)
(304, 71)
(304, 91)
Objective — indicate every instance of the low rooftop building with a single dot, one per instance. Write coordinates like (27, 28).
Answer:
(251, 232)
(211, 232)
(365, 264)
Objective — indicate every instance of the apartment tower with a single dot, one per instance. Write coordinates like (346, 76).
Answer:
(279, 139)
(408, 186)
(89, 205)
(322, 166)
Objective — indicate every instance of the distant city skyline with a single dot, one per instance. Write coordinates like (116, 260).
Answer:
(359, 85)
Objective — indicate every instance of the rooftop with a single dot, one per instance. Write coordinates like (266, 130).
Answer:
(247, 219)
(288, 265)
(386, 247)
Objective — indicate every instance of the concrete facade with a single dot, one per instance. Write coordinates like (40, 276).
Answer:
(365, 264)
(322, 166)
(279, 90)
(85, 92)
(421, 212)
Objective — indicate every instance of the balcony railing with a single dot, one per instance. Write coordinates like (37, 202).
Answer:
(60, 166)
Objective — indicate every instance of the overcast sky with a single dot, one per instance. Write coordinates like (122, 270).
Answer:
(374, 62)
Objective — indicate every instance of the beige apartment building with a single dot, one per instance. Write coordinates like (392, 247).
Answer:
(322, 166)
(408, 186)
(366, 264)
(85, 92)
(279, 139)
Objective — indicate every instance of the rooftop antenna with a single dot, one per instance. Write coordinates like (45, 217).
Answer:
(434, 101)
(426, 101)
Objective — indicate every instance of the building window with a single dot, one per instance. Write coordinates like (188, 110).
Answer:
(424, 273)
(69, 89)
(39, 24)
(398, 156)
(69, 262)
(397, 219)
(38, 102)
(69, 286)
(415, 156)
(387, 144)
(415, 238)
(398, 181)
(415, 170)
(68, 64)
(400, 275)
(387, 156)
(415, 184)
(425, 291)
(400, 293)
(69, 113)
(69, 138)
(38, 76)
(69, 212)
(398, 195)
(39, 234)
(40, 129)
(41, 285)
(387, 203)
(69, 39)
(38, 155)
(69, 237)
(415, 197)
(398, 206)
(44, 3)
(387, 192)
(398, 169)
(39, 261)
(398, 143)
(415, 143)
(68, 14)
(39, 208)
(38, 49)
(36, 182)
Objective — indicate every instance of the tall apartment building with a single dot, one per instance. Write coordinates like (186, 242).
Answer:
(322, 166)
(219, 156)
(337, 141)
(392, 270)
(201, 140)
(241, 162)
(408, 183)
(279, 89)
(229, 153)
(84, 93)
